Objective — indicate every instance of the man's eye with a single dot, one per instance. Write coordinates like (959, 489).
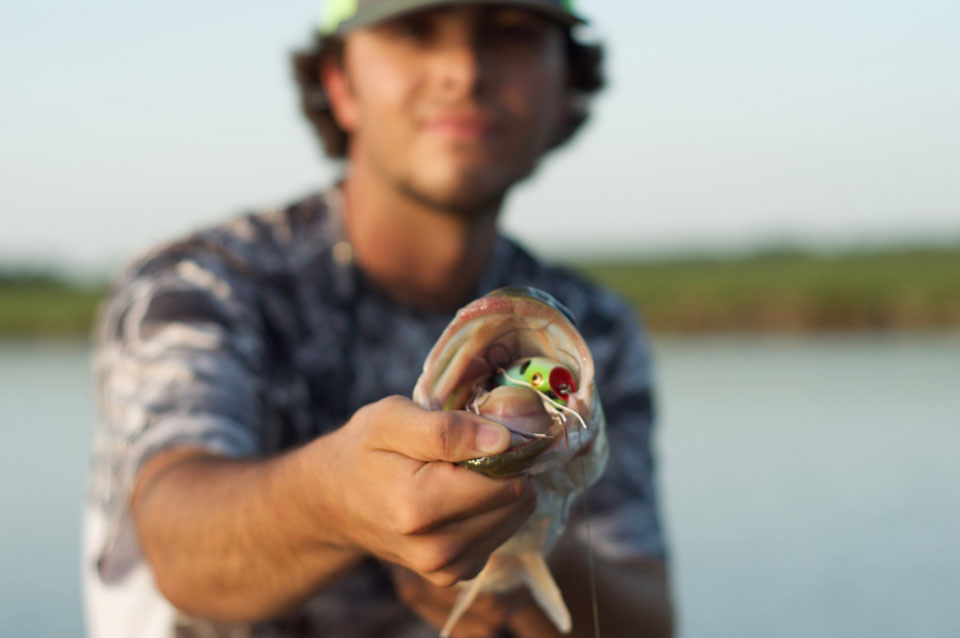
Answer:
(528, 31)
(412, 29)
(513, 32)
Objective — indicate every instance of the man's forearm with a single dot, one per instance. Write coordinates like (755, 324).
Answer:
(245, 540)
(236, 540)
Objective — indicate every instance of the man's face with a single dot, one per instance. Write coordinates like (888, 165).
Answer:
(454, 105)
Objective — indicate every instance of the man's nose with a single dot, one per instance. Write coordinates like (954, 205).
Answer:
(461, 67)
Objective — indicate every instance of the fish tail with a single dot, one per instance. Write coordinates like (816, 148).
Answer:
(545, 590)
(463, 602)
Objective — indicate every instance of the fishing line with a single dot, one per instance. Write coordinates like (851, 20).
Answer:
(590, 562)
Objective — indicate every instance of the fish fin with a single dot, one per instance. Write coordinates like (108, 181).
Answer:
(545, 590)
(463, 602)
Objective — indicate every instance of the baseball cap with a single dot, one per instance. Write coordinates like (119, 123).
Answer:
(341, 16)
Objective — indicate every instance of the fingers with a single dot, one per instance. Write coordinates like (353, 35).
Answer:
(460, 549)
(433, 435)
(440, 492)
(430, 601)
(486, 615)
(440, 520)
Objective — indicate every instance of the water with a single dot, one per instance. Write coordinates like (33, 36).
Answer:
(809, 485)
(46, 412)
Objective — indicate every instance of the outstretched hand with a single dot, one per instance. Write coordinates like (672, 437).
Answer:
(401, 497)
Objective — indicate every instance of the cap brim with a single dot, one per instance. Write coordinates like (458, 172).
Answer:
(389, 9)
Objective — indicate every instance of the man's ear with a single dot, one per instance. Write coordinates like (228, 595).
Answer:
(336, 86)
(566, 117)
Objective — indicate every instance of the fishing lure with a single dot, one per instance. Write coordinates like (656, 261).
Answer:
(542, 374)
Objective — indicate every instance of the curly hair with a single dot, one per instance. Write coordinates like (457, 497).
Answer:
(585, 70)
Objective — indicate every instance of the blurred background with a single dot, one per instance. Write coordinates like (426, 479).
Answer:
(773, 185)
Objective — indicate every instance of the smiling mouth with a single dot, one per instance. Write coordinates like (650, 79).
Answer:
(459, 127)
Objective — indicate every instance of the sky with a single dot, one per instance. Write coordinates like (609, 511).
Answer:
(725, 126)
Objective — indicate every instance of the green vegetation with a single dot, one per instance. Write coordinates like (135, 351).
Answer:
(40, 304)
(783, 291)
(793, 292)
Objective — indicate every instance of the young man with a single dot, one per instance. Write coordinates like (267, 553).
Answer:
(259, 471)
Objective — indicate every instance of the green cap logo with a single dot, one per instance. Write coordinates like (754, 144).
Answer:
(335, 12)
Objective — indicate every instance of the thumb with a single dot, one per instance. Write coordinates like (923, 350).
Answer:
(437, 435)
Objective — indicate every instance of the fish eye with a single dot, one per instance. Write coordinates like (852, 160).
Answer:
(536, 379)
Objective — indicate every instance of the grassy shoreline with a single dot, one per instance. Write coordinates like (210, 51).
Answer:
(778, 292)
(904, 290)
(45, 305)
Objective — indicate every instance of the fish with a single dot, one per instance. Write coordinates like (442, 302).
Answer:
(516, 357)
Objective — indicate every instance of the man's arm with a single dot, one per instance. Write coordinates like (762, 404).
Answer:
(245, 540)
(234, 540)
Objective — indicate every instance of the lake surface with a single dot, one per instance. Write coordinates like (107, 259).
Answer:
(810, 486)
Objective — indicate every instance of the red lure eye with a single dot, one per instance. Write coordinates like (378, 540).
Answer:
(562, 382)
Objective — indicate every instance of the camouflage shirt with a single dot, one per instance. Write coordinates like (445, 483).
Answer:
(260, 334)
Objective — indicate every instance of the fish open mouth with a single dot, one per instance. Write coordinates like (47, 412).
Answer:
(470, 369)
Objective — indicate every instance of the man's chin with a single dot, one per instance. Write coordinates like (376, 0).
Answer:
(468, 198)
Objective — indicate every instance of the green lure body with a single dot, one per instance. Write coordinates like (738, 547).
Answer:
(542, 374)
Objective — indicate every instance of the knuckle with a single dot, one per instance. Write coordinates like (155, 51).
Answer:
(392, 402)
(382, 409)
(384, 406)
(442, 578)
(369, 419)
(365, 416)
(408, 516)
(433, 559)
(410, 521)
(444, 439)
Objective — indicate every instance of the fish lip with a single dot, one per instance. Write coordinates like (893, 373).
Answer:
(534, 293)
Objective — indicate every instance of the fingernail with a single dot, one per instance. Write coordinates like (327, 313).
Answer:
(491, 438)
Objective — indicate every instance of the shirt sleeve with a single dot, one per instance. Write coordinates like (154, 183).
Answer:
(624, 516)
(179, 362)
